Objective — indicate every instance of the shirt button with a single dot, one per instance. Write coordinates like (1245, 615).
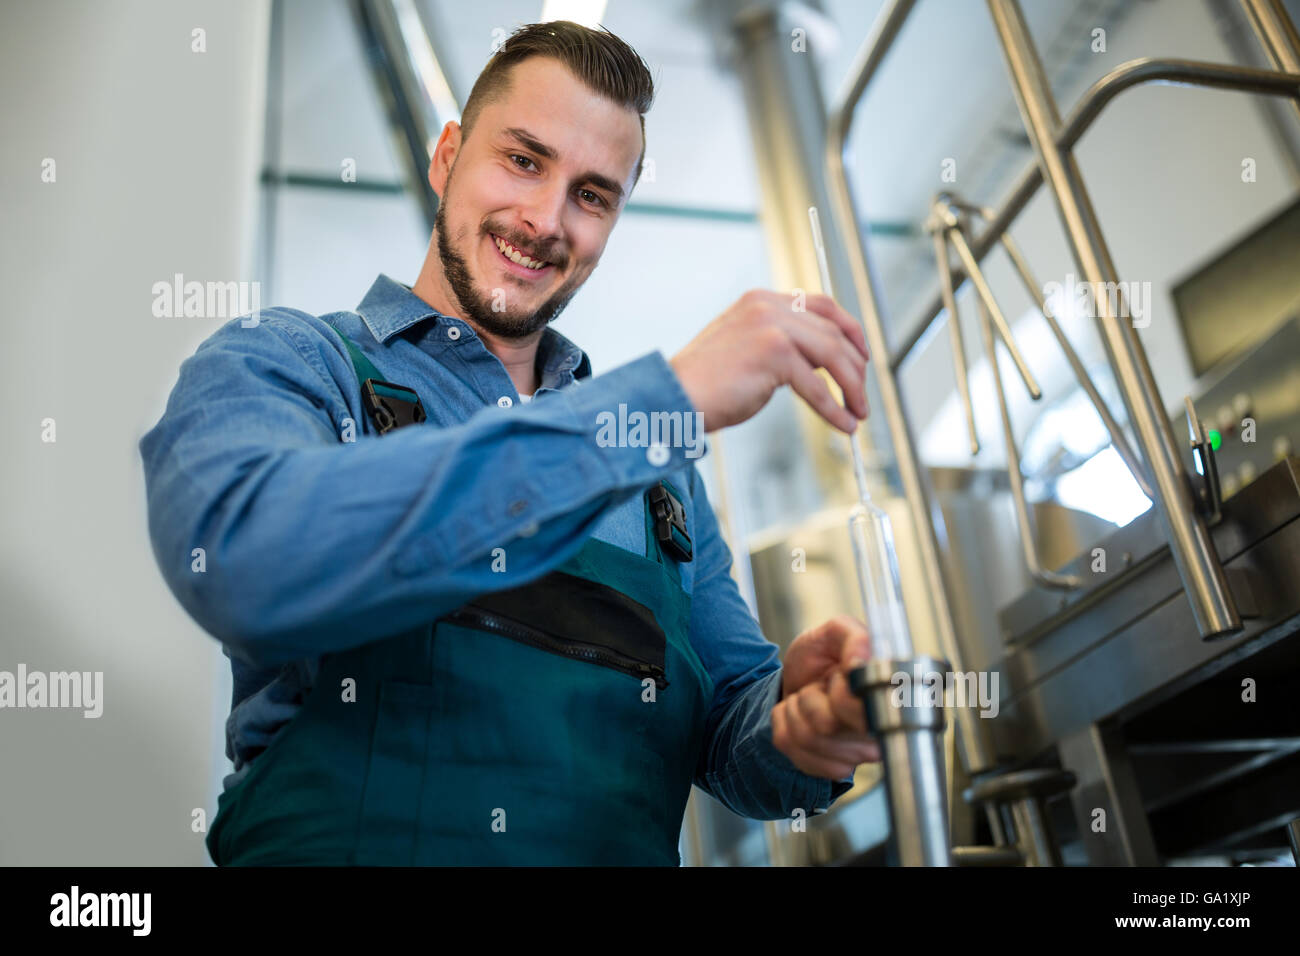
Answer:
(658, 454)
(528, 530)
(518, 507)
(505, 401)
(453, 333)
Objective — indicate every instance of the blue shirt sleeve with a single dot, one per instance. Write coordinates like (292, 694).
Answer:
(740, 766)
(312, 545)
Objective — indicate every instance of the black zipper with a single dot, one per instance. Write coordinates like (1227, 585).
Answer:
(604, 656)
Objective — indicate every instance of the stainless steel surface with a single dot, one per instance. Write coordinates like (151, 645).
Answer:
(792, 598)
(986, 856)
(1277, 34)
(1263, 386)
(972, 736)
(910, 738)
(1229, 303)
(1214, 615)
(1202, 594)
(992, 309)
(1108, 811)
(1022, 797)
(1034, 833)
(1233, 26)
(786, 118)
(1042, 575)
(950, 227)
(1221, 76)
(1032, 286)
(1124, 77)
(1123, 644)
(787, 124)
(937, 231)
(411, 83)
(982, 557)
(1211, 497)
(1193, 551)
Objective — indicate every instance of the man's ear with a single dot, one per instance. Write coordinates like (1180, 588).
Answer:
(444, 156)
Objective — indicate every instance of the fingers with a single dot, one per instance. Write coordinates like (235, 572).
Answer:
(823, 345)
(843, 638)
(850, 641)
(847, 706)
(812, 388)
(806, 729)
(814, 713)
(826, 337)
(852, 328)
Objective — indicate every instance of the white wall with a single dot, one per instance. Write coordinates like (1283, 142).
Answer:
(157, 150)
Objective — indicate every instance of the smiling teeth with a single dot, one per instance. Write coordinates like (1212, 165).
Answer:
(514, 255)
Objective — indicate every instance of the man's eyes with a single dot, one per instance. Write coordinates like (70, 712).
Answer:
(587, 195)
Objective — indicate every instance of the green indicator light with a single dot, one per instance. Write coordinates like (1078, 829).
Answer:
(1215, 439)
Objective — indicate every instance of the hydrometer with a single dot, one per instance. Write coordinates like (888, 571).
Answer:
(871, 534)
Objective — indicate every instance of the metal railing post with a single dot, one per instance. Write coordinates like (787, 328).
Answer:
(1189, 540)
(976, 746)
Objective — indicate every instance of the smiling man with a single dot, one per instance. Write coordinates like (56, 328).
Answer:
(464, 630)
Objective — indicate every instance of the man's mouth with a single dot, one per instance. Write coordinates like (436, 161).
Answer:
(518, 258)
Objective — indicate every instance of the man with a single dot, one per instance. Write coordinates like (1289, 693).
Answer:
(464, 629)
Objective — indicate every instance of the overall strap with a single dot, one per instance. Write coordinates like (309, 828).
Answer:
(390, 405)
(665, 528)
(364, 367)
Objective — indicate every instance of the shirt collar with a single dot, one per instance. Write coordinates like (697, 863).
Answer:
(391, 307)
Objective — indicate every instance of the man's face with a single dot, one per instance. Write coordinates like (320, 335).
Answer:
(543, 173)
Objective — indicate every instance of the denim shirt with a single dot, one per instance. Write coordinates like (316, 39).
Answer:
(313, 543)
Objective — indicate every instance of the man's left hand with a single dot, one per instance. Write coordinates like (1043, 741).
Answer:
(819, 723)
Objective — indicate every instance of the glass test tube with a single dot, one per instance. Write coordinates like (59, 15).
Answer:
(882, 596)
(872, 535)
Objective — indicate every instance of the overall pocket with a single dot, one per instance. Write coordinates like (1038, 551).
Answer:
(558, 742)
(578, 618)
(388, 830)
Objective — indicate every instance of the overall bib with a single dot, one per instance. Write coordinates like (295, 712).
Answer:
(559, 722)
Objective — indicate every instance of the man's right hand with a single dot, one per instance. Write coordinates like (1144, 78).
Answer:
(731, 369)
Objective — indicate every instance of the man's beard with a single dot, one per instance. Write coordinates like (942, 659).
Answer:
(505, 324)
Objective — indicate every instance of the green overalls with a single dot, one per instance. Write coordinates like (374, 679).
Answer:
(556, 723)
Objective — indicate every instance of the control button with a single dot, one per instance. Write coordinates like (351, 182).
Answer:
(1225, 420)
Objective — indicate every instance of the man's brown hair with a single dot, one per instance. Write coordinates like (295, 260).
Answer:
(597, 57)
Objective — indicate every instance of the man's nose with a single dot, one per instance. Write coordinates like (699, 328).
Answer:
(545, 210)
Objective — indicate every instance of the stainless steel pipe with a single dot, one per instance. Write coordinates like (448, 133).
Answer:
(910, 726)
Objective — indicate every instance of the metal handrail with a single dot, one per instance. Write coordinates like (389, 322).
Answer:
(1035, 291)
(1124, 77)
(1198, 565)
(1190, 544)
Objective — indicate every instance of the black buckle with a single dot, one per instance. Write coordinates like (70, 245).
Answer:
(389, 406)
(670, 523)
